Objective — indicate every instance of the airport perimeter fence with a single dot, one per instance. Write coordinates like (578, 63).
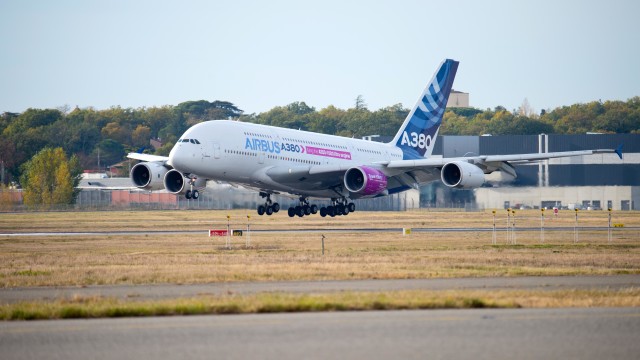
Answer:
(593, 230)
(106, 200)
(540, 227)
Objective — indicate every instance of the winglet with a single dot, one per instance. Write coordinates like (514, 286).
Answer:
(619, 151)
(140, 150)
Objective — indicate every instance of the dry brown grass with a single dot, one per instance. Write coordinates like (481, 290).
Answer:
(196, 258)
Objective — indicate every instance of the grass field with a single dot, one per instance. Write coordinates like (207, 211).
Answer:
(148, 258)
(195, 258)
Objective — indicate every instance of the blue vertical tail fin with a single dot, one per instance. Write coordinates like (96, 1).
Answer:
(418, 133)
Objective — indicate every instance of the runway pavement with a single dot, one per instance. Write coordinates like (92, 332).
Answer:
(309, 230)
(167, 291)
(586, 333)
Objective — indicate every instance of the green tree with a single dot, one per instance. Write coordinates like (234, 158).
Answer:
(141, 136)
(49, 179)
(109, 152)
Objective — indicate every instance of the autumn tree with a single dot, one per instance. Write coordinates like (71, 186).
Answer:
(50, 178)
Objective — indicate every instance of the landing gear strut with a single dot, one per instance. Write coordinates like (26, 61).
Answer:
(269, 207)
(303, 209)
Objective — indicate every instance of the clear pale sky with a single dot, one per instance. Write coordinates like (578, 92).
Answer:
(262, 54)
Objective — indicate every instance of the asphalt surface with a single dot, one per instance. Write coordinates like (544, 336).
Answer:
(314, 230)
(588, 333)
(168, 291)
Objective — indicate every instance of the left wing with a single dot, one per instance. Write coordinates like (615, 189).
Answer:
(490, 163)
(147, 157)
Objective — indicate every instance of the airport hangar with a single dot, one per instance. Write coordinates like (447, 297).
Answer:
(598, 181)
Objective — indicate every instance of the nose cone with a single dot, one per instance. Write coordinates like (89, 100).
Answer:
(183, 157)
(176, 156)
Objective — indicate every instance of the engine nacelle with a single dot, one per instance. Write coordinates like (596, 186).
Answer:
(148, 175)
(365, 181)
(460, 174)
(176, 183)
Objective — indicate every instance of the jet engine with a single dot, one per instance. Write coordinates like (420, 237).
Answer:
(460, 174)
(365, 181)
(148, 175)
(175, 182)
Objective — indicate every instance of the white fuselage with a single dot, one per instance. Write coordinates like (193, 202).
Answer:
(242, 153)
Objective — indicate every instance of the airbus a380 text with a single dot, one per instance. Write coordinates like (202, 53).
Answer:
(310, 166)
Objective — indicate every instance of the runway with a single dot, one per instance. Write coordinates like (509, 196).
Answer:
(168, 291)
(588, 333)
(308, 230)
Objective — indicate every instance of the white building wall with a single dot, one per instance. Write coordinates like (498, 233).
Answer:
(494, 198)
(458, 99)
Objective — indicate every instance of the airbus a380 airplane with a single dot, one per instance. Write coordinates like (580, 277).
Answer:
(309, 165)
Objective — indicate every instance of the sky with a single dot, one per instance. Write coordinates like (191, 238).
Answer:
(263, 54)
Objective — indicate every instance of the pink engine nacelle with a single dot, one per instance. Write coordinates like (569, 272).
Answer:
(365, 181)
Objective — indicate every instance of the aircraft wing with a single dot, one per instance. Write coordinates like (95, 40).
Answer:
(147, 157)
(490, 163)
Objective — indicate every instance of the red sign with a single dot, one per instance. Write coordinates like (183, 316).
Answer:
(217, 233)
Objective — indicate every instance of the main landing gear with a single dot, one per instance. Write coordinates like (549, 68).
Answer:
(269, 207)
(303, 209)
(339, 207)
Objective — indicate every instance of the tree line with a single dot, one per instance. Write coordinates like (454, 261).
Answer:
(105, 136)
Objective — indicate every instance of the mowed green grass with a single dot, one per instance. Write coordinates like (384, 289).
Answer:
(97, 307)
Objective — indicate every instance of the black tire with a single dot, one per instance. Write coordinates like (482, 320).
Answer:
(300, 211)
(276, 207)
(188, 194)
(195, 194)
(314, 209)
(345, 211)
(269, 210)
(261, 210)
(323, 211)
(307, 210)
(340, 209)
(331, 211)
(352, 207)
(291, 212)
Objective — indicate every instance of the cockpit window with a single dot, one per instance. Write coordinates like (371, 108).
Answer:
(197, 142)
(192, 141)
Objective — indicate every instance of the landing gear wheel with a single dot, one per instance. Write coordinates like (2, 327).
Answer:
(261, 210)
(345, 211)
(323, 211)
(195, 194)
(314, 209)
(188, 194)
(352, 207)
(307, 210)
(269, 210)
(292, 212)
(340, 209)
(300, 211)
(276, 207)
(331, 211)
